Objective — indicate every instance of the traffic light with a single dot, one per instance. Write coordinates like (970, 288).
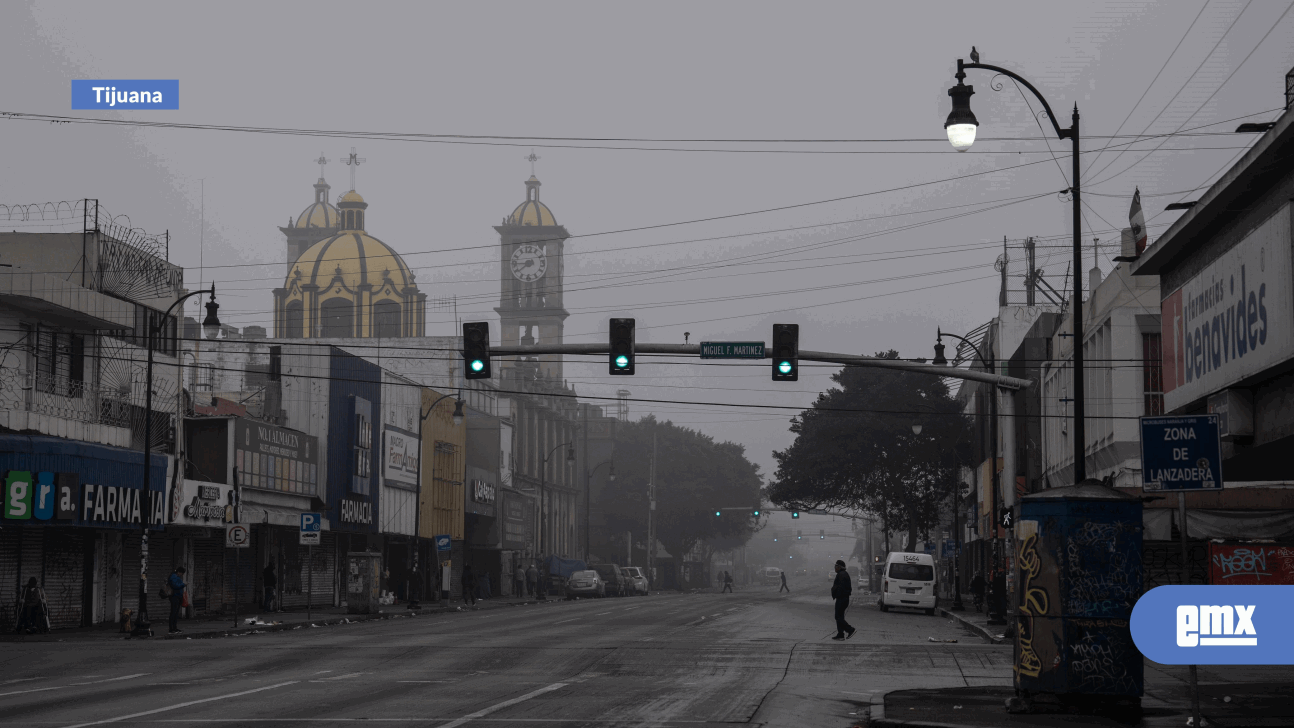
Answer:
(476, 350)
(786, 352)
(622, 346)
(822, 534)
(795, 514)
(718, 514)
(799, 535)
(755, 513)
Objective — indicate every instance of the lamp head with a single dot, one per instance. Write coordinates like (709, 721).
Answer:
(916, 429)
(961, 123)
(570, 455)
(940, 359)
(612, 477)
(458, 412)
(211, 324)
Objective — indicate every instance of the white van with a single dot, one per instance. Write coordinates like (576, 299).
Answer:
(909, 582)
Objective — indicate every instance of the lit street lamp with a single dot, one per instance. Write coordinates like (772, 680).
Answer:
(211, 327)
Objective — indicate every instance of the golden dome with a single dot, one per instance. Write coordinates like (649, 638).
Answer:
(349, 260)
(320, 214)
(351, 196)
(532, 211)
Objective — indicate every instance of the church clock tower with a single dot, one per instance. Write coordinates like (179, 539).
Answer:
(531, 268)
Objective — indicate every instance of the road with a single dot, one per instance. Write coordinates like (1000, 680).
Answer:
(751, 657)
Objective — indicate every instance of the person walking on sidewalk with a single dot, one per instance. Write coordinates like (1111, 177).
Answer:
(977, 589)
(268, 581)
(469, 586)
(176, 585)
(519, 581)
(532, 580)
(841, 588)
(784, 587)
(33, 613)
(727, 583)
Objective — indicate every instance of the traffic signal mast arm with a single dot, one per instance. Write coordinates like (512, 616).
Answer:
(819, 356)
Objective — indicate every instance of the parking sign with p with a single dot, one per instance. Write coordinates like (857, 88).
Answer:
(311, 529)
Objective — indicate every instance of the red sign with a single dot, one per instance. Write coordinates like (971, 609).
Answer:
(1251, 564)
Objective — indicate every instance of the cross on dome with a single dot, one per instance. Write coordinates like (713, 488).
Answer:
(353, 161)
(321, 161)
(532, 159)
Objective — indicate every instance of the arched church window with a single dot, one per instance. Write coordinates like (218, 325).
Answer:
(386, 319)
(338, 316)
(294, 319)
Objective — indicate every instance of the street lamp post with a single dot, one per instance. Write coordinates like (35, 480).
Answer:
(417, 519)
(996, 606)
(210, 326)
(543, 484)
(588, 480)
(961, 126)
(957, 605)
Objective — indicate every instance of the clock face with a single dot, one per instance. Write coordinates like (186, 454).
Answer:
(529, 263)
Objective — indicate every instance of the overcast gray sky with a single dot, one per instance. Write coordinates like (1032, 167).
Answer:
(658, 71)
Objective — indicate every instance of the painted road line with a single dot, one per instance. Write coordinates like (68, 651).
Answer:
(572, 619)
(72, 685)
(498, 706)
(599, 614)
(338, 677)
(27, 679)
(177, 706)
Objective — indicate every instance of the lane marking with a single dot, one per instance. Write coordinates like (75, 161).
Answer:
(599, 614)
(154, 711)
(72, 685)
(572, 619)
(28, 679)
(337, 677)
(498, 706)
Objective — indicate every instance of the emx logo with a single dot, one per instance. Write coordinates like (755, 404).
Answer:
(1215, 625)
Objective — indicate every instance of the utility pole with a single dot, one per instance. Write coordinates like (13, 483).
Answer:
(651, 507)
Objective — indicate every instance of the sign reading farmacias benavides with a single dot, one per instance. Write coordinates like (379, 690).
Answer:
(1233, 319)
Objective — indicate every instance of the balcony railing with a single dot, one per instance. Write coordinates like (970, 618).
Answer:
(56, 395)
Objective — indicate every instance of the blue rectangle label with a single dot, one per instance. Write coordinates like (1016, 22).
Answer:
(126, 94)
(1180, 453)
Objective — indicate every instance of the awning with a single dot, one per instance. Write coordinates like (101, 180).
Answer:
(254, 513)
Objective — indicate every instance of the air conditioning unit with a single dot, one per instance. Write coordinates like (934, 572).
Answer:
(1235, 411)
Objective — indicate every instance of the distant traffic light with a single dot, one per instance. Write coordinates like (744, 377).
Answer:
(755, 513)
(476, 350)
(718, 514)
(822, 533)
(799, 534)
(786, 352)
(795, 514)
(622, 346)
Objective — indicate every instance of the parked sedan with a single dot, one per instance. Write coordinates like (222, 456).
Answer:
(637, 579)
(617, 584)
(586, 584)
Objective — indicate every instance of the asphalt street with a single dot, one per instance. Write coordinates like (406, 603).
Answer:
(752, 657)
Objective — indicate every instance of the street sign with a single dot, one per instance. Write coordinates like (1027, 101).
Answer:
(442, 543)
(1006, 517)
(732, 350)
(311, 529)
(237, 536)
(948, 548)
(1180, 453)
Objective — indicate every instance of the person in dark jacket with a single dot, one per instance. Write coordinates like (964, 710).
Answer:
(783, 586)
(269, 581)
(176, 582)
(33, 615)
(841, 588)
(532, 580)
(469, 585)
(727, 583)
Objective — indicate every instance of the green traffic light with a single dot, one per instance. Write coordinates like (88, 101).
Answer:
(784, 367)
(756, 514)
(622, 361)
(795, 514)
(477, 365)
(717, 514)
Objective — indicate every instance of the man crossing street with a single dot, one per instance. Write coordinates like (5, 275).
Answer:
(841, 588)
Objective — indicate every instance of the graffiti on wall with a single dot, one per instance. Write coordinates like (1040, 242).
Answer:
(1034, 601)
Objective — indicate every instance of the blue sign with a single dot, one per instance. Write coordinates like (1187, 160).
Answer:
(442, 543)
(1215, 625)
(311, 522)
(948, 549)
(1180, 453)
(126, 94)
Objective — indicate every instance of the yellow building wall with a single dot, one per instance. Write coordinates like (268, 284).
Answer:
(443, 469)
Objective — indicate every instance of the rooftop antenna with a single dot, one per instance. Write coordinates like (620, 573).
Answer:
(353, 161)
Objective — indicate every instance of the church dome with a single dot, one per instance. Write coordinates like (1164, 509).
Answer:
(532, 211)
(351, 258)
(321, 213)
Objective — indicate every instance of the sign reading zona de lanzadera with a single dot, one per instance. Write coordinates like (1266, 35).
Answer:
(1215, 625)
(1181, 453)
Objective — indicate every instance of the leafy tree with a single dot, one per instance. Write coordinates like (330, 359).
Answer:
(856, 449)
(695, 476)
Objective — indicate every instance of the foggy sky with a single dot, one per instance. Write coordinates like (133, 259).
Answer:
(654, 71)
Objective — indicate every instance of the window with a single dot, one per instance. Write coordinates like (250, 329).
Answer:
(293, 320)
(60, 361)
(338, 318)
(386, 319)
(1152, 367)
(912, 572)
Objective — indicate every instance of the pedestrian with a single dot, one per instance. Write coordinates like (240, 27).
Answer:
(727, 583)
(268, 582)
(784, 587)
(176, 587)
(519, 581)
(469, 586)
(33, 615)
(841, 588)
(977, 589)
(532, 580)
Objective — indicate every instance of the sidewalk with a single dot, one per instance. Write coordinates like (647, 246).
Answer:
(254, 622)
(1230, 695)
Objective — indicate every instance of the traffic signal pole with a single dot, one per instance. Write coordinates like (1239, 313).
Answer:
(828, 357)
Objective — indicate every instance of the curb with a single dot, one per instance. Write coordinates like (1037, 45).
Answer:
(877, 719)
(974, 627)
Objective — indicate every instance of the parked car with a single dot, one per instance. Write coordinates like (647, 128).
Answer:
(770, 576)
(617, 584)
(637, 579)
(909, 582)
(586, 584)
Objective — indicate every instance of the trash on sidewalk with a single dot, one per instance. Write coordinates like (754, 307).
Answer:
(258, 622)
(932, 639)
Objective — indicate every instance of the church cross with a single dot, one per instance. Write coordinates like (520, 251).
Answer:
(532, 159)
(321, 161)
(353, 161)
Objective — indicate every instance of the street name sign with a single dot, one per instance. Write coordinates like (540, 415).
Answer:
(1180, 454)
(443, 543)
(732, 350)
(237, 536)
(311, 529)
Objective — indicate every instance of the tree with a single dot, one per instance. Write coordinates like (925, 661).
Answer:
(856, 449)
(694, 476)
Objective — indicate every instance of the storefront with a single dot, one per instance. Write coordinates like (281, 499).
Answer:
(70, 517)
